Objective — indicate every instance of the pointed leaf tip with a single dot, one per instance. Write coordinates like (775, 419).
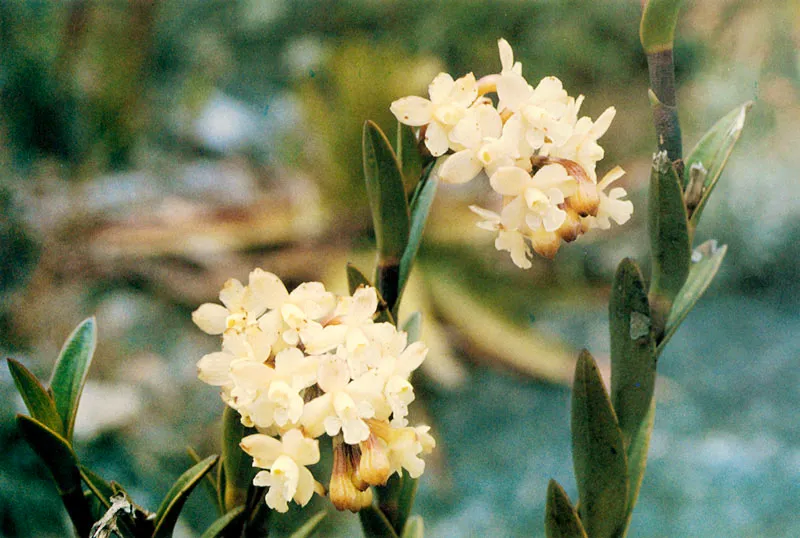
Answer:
(561, 519)
(168, 512)
(712, 153)
(38, 401)
(598, 453)
(70, 371)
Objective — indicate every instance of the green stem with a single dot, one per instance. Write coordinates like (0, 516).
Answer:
(665, 110)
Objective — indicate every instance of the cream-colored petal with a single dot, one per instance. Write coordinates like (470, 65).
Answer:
(510, 180)
(414, 111)
(436, 139)
(265, 290)
(514, 243)
(602, 123)
(460, 167)
(553, 219)
(440, 87)
(314, 414)
(610, 177)
(506, 55)
(513, 214)
(513, 91)
(263, 448)
(464, 91)
(215, 368)
(467, 132)
(232, 294)
(305, 451)
(305, 487)
(210, 318)
(252, 375)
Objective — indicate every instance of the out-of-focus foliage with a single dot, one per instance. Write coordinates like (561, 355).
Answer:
(150, 150)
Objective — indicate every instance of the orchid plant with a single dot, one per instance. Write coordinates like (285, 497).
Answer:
(305, 371)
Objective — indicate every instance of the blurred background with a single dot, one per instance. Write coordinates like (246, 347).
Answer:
(150, 150)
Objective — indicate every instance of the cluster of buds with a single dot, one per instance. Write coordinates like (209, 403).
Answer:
(535, 150)
(300, 365)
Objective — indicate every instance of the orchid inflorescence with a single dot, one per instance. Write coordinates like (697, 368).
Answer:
(532, 146)
(303, 364)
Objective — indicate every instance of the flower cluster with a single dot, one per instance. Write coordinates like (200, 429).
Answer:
(302, 364)
(535, 150)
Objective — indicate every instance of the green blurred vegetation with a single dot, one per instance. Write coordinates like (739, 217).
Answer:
(149, 150)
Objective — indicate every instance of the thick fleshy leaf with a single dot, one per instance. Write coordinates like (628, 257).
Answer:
(413, 326)
(374, 523)
(210, 482)
(69, 373)
(309, 526)
(706, 260)
(415, 528)
(561, 519)
(408, 155)
(390, 212)
(237, 464)
(224, 523)
(99, 487)
(38, 401)
(598, 453)
(396, 499)
(713, 151)
(357, 279)
(657, 29)
(669, 240)
(59, 458)
(173, 502)
(637, 460)
(421, 203)
(633, 360)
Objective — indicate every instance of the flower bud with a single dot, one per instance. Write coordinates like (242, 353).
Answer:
(343, 492)
(545, 243)
(572, 227)
(374, 467)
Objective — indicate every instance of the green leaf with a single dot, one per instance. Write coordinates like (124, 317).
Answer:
(413, 326)
(657, 29)
(708, 260)
(415, 528)
(237, 464)
(103, 492)
(598, 453)
(59, 458)
(408, 155)
(221, 525)
(637, 461)
(561, 519)
(421, 203)
(210, 483)
(396, 499)
(171, 506)
(69, 373)
(357, 279)
(38, 401)
(633, 360)
(390, 213)
(309, 526)
(669, 240)
(99, 487)
(375, 524)
(713, 151)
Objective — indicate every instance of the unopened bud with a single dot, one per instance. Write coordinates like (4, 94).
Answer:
(343, 491)
(572, 227)
(374, 467)
(545, 243)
